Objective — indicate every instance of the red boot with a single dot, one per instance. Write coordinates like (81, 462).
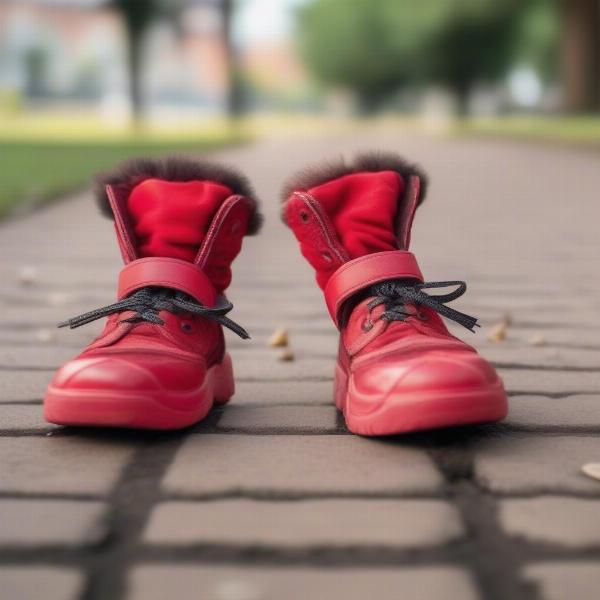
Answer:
(398, 368)
(160, 362)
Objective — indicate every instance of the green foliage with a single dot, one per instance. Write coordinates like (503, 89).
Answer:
(368, 46)
(537, 38)
(373, 47)
(475, 43)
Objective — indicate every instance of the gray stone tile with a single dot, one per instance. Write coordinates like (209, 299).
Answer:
(248, 368)
(311, 523)
(550, 382)
(22, 385)
(573, 522)
(557, 580)
(283, 392)
(39, 523)
(292, 419)
(544, 356)
(35, 357)
(15, 417)
(521, 463)
(213, 463)
(61, 464)
(25, 583)
(352, 583)
(540, 411)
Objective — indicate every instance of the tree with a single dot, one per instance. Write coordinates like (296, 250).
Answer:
(373, 47)
(537, 38)
(581, 54)
(36, 70)
(368, 46)
(137, 17)
(235, 99)
(474, 44)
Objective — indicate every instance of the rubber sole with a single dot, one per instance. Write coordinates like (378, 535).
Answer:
(419, 412)
(125, 410)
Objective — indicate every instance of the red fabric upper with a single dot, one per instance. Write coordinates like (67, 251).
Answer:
(171, 218)
(346, 218)
(362, 208)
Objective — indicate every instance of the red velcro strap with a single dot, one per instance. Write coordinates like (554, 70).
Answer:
(362, 272)
(166, 272)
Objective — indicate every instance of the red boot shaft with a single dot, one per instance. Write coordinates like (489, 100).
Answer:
(398, 368)
(160, 362)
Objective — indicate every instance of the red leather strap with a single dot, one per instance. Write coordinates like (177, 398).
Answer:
(166, 272)
(362, 272)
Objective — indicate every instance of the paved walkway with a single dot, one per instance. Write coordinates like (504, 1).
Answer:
(271, 498)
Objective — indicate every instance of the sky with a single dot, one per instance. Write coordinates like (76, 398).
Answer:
(265, 20)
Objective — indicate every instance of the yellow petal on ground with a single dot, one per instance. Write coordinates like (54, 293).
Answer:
(592, 470)
(287, 356)
(27, 275)
(45, 335)
(537, 340)
(279, 339)
(498, 332)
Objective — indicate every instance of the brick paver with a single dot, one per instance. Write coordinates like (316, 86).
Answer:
(297, 464)
(559, 580)
(571, 522)
(221, 583)
(271, 498)
(24, 583)
(68, 465)
(306, 524)
(51, 523)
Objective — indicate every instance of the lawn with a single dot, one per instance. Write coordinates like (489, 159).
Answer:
(583, 129)
(35, 169)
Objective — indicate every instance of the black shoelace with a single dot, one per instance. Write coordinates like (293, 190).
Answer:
(400, 296)
(149, 301)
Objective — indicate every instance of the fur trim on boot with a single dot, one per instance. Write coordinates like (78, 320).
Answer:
(132, 172)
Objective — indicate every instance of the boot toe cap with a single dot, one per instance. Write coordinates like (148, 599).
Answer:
(128, 375)
(432, 374)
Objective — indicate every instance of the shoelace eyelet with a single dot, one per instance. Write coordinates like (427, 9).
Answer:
(367, 325)
(187, 327)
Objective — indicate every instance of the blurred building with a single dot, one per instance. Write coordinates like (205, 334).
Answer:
(56, 52)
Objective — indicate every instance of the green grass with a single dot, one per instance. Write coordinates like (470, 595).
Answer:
(33, 172)
(584, 129)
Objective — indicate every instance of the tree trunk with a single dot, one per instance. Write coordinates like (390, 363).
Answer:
(367, 103)
(463, 98)
(235, 98)
(581, 54)
(135, 40)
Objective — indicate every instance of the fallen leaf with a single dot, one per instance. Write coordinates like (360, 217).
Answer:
(279, 339)
(45, 335)
(58, 298)
(498, 332)
(592, 470)
(287, 356)
(537, 340)
(27, 275)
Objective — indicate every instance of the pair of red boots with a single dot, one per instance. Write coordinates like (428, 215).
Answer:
(160, 362)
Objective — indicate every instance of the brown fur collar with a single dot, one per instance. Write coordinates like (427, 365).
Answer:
(367, 161)
(175, 168)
